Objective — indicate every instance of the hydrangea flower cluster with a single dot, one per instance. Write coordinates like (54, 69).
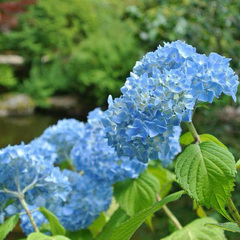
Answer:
(92, 154)
(88, 198)
(160, 93)
(75, 198)
(24, 172)
(58, 140)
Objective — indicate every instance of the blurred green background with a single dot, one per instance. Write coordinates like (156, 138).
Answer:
(66, 56)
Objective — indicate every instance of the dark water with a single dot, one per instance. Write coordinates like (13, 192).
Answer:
(14, 130)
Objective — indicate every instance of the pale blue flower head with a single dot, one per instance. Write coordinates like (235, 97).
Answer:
(88, 198)
(93, 156)
(160, 93)
(24, 171)
(58, 140)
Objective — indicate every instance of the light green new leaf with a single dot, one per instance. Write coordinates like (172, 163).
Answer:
(116, 219)
(134, 195)
(165, 178)
(207, 172)
(228, 226)
(187, 138)
(127, 229)
(38, 236)
(41, 236)
(98, 224)
(197, 230)
(8, 226)
(55, 226)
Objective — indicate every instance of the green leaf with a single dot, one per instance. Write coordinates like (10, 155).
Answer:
(117, 218)
(187, 138)
(127, 229)
(165, 178)
(134, 195)
(38, 236)
(83, 234)
(197, 230)
(41, 236)
(228, 226)
(55, 225)
(98, 224)
(207, 172)
(8, 226)
(208, 137)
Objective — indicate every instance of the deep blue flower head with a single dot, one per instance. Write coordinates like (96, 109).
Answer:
(88, 198)
(160, 93)
(26, 225)
(24, 171)
(92, 154)
(58, 140)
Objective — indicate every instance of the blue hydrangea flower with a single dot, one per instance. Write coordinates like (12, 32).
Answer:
(88, 198)
(26, 225)
(160, 93)
(92, 154)
(58, 140)
(24, 171)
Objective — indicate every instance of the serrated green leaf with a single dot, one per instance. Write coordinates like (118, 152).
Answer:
(134, 195)
(187, 138)
(127, 229)
(117, 218)
(197, 230)
(207, 172)
(165, 178)
(8, 226)
(228, 226)
(55, 226)
(83, 234)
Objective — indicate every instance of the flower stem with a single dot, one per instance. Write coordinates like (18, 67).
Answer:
(24, 204)
(170, 215)
(234, 211)
(193, 131)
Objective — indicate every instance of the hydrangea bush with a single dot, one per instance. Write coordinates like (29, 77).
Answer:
(102, 179)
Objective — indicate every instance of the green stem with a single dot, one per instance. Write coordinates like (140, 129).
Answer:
(171, 215)
(24, 204)
(234, 211)
(193, 131)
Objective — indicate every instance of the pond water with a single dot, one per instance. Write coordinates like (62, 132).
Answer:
(14, 130)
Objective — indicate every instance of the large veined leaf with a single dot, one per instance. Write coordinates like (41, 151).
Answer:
(197, 230)
(207, 172)
(116, 219)
(134, 195)
(165, 178)
(8, 226)
(187, 138)
(127, 229)
(55, 226)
